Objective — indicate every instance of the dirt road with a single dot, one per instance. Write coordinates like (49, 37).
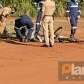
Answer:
(33, 64)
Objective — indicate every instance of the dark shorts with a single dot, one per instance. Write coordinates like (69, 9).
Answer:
(73, 20)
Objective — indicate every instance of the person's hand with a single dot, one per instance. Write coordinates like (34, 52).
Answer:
(40, 22)
(68, 19)
(79, 17)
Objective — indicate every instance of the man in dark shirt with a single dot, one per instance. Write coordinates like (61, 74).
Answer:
(23, 28)
(73, 12)
(39, 4)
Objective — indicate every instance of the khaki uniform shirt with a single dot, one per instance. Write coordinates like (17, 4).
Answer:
(5, 11)
(48, 7)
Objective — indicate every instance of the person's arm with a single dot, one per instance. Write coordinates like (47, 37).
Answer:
(53, 9)
(43, 10)
(68, 9)
(79, 11)
(1, 6)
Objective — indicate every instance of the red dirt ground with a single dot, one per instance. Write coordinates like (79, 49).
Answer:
(33, 64)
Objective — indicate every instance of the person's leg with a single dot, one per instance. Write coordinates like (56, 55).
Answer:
(33, 34)
(38, 25)
(45, 27)
(73, 21)
(19, 34)
(51, 32)
(29, 33)
(36, 29)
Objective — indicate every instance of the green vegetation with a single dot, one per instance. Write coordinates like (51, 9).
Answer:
(21, 6)
(27, 7)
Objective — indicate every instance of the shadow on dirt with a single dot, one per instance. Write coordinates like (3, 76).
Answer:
(15, 42)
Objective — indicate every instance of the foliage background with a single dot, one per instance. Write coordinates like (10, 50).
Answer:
(28, 7)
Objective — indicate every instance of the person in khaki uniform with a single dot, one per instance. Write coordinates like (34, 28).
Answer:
(48, 11)
(4, 12)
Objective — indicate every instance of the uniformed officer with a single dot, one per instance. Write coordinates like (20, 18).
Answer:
(24, 28)
(73, 13)
(4, 12)
(39, 16)
(48, 11)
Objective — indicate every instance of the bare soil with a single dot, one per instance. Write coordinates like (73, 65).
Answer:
(33, 64)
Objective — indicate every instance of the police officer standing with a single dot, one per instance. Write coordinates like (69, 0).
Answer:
(73, 15)
(39, 4)
(48, 11)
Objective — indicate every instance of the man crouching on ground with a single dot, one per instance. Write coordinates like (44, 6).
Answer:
(23, 28)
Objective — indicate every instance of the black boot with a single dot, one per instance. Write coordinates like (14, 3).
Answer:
(72, 37)
(73, 31)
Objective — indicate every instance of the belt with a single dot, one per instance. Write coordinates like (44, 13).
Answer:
(47, 15)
